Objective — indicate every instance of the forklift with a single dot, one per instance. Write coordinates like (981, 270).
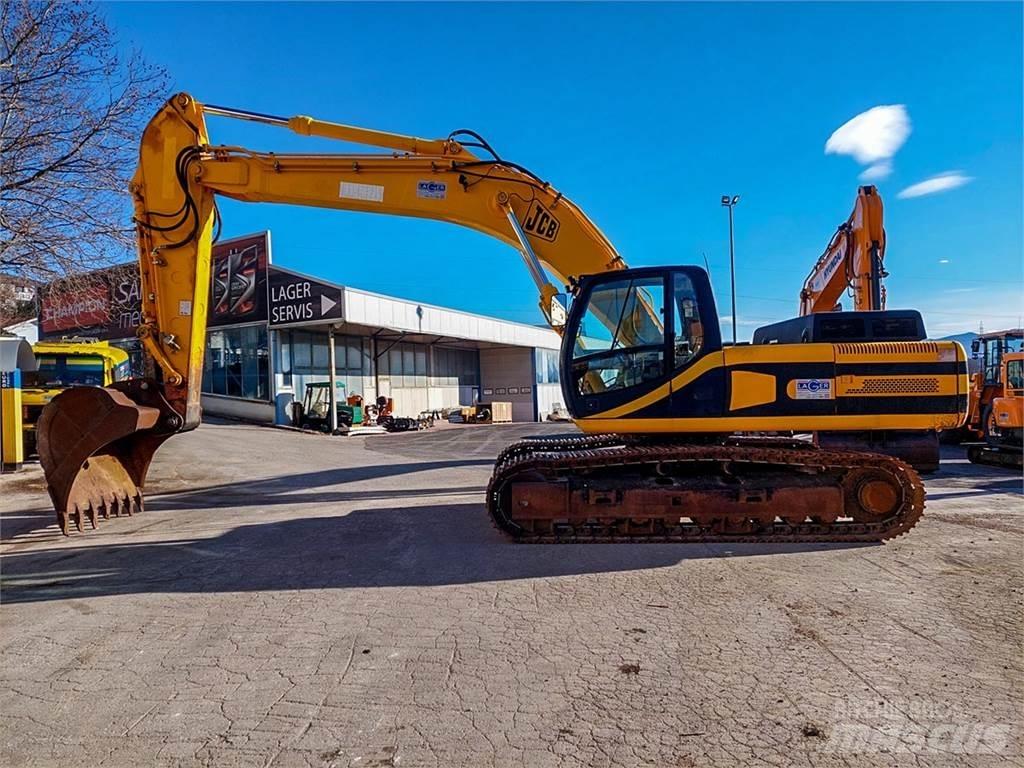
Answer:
(315, 409)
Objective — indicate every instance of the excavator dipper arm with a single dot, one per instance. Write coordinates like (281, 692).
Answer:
(853, 261)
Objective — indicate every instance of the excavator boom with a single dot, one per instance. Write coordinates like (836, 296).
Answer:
(85, 444)
(853, 260)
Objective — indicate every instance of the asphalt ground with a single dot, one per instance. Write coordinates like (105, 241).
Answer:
(290, 600)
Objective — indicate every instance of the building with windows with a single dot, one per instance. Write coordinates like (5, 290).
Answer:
(270, 333)
(421, 356)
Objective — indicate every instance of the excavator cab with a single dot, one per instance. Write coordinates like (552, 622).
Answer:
(630, 332)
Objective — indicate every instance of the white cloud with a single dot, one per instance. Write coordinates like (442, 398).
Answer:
(876, 172)
(872, 138)
(940, 183)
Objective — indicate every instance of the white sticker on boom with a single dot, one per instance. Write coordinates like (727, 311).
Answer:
(184, 308)
(371, 193)
(813, 389)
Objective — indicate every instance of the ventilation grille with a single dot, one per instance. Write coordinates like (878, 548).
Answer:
(889, 348)
(892, 386)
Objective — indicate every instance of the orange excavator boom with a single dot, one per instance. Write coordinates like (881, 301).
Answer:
(854, 260)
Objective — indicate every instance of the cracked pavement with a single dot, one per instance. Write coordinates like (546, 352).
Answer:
(298, 600)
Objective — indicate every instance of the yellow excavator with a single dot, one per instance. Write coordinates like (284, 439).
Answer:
(672, 420)
(853, 265)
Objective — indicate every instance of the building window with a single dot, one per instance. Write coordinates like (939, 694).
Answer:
(310, 355)
(455, 367)
(237, 363)
(547, 366)
(284, 349)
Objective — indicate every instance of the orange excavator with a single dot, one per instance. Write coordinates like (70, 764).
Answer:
(853, 265)
(673, 420)
(853, 261)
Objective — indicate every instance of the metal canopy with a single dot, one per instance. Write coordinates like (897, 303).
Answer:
(15, 352)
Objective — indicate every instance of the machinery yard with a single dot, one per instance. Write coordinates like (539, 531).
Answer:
(295, 599)
(536, 385)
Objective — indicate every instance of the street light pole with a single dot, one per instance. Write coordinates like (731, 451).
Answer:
(730, 203)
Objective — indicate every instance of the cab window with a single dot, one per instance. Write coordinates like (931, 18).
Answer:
(70, 370)
(620, 342)
(689, 332)
(994, 351)
(1015, 374)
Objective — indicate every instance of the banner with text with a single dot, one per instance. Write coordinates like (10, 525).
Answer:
(299, 300)
(105, 304)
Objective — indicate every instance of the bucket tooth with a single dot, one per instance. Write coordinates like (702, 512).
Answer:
(105, 507)
(96, 445)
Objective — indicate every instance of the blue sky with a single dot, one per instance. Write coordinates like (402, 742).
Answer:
(644, 115)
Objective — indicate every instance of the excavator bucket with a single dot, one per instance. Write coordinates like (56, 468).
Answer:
(95, 446)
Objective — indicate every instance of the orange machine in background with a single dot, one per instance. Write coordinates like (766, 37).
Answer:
(989, 349)
(1002, 423)
(852, 263)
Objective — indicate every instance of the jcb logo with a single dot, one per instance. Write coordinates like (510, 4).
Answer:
(541, 223)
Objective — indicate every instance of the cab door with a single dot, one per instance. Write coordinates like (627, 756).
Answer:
(615, 349)
(630, 334)
(698, 390)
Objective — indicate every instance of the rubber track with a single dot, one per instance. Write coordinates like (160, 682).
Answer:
(997, 456)
(564, 456)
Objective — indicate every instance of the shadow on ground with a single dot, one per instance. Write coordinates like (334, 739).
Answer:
(980, 486)
(321, 487)
(432, 545)
(415, 546)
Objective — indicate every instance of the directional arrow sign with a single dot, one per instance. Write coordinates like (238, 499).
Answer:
(300, 300)
(326, 305)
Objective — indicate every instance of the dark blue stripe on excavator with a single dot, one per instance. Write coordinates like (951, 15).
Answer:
(848, 406)
(708, 395)
(702, 398)
(902, 404)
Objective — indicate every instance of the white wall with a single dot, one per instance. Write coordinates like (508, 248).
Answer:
(548, 396)
(28, 330)
(365, 308)
(411, 401)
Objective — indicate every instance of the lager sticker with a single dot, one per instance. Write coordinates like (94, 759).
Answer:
(433, 190)
(813, 389)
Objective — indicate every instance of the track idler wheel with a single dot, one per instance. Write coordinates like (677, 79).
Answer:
(95, 446)
(871, 495)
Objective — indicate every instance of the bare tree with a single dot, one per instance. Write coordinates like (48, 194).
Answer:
(73, 110)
